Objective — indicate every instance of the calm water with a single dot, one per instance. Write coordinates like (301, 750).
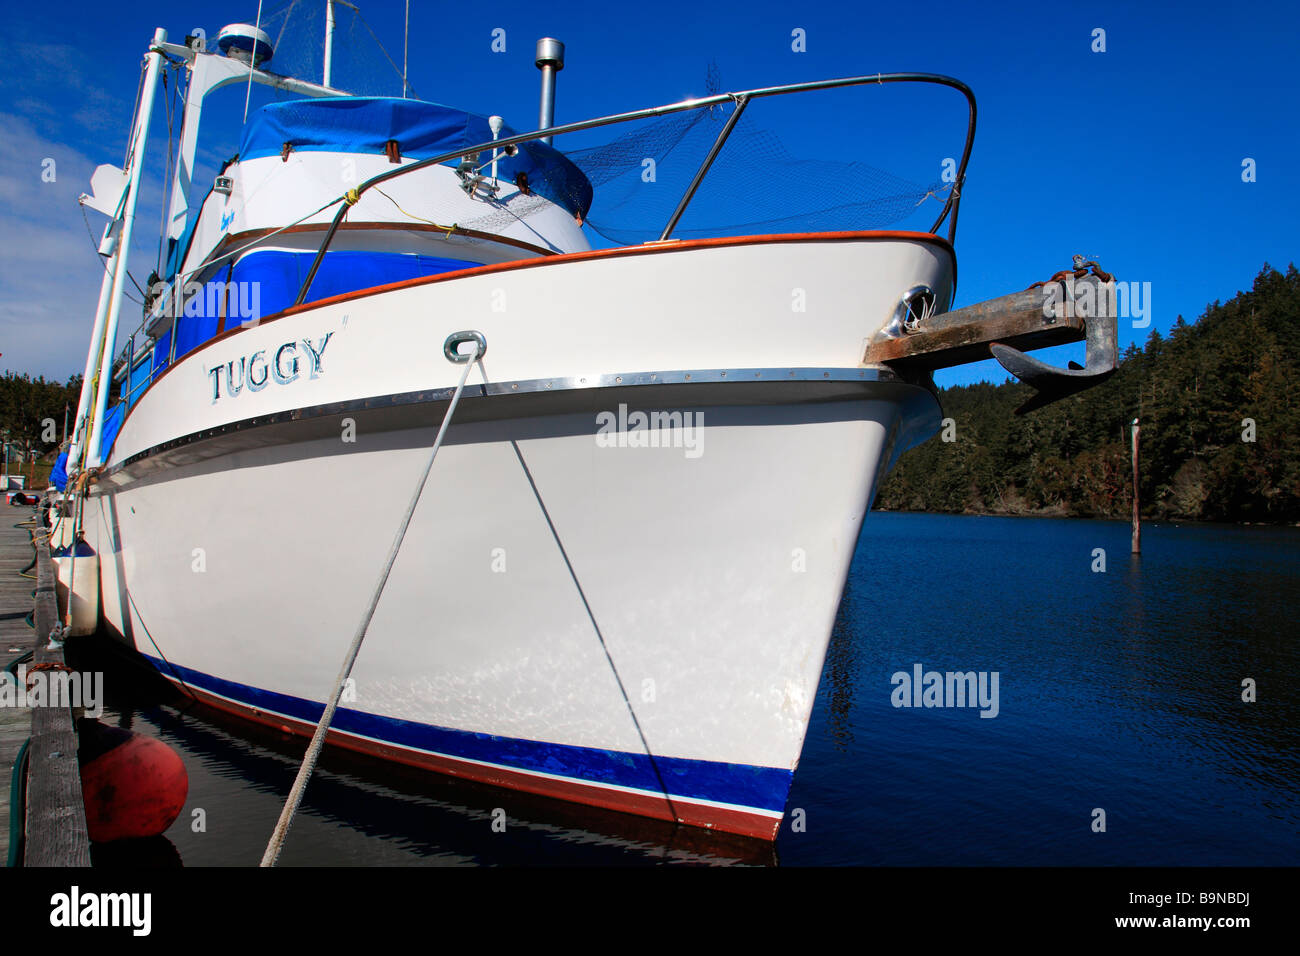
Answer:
(1118, 690)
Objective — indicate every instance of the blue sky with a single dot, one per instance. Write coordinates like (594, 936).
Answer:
(1132, 156)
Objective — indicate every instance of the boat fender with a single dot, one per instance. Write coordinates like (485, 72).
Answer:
(133, 785)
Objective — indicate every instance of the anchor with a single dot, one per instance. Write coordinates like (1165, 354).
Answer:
(1050, 383)
(1101, 350)
(1074, 304)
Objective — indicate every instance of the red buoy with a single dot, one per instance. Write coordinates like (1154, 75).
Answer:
(133, 785)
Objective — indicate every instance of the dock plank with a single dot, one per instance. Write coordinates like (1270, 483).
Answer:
(57, 834)
(16, 636)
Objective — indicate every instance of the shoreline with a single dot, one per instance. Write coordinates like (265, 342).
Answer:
(1077, 517)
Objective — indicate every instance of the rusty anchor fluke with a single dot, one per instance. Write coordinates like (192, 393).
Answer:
(1075, 304)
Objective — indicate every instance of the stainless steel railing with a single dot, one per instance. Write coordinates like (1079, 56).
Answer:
(741, 100)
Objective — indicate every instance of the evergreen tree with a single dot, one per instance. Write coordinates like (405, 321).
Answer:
(1219, 402)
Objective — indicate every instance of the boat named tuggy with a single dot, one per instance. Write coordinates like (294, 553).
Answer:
(618, 583)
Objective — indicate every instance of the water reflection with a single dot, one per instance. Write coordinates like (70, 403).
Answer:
(361, 811)
(1120, 689)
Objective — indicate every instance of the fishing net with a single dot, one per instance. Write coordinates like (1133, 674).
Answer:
(755, 185)
(760, 182)
(360, 61)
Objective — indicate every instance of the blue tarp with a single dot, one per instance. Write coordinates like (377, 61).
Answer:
(138, 381)
(275, 276)
(278, 274)
(354, 124)
(112, 424)
(59, 473)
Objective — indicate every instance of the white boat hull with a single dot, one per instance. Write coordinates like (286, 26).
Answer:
(572, 614)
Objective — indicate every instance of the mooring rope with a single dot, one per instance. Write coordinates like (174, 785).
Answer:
(322, 728)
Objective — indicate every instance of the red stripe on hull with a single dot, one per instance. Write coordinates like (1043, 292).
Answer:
(658, 807)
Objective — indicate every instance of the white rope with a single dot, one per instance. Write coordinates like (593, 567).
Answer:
(318, 739)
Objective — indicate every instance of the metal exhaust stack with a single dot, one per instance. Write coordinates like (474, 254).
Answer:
(550, 60)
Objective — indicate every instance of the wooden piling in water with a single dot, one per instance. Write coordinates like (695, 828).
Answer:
(1137, 513)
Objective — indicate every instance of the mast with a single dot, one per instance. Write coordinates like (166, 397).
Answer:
(208, 72)
(105, 363)
(329, 40)
(108, 247)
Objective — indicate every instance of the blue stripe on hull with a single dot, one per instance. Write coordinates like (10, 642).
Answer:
(763, 788)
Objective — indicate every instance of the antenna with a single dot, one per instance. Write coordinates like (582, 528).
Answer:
(406, 43)
(495, 123)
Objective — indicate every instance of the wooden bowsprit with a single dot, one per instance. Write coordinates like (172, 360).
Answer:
(1065, 309)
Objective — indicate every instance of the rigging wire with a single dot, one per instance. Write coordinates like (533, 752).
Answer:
(135, 111)
(180, 276)
(94, 244)
(283, 26)
(234, 252)
(591, 616)
(384, 50)
(252, 57)
(169, 167)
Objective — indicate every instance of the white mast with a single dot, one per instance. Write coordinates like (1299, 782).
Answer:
(406, 45)
(209, 72)
(105, 363)
(329, 40)
(96, 346)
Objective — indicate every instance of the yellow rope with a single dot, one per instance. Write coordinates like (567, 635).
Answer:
(449, 229)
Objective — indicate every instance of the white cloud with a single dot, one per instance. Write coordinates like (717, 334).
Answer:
(49, 271)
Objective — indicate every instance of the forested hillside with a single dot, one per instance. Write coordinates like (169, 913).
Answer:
(26, 403)
(1218, 403)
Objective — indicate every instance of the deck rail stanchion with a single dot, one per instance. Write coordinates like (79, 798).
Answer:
(741, 102)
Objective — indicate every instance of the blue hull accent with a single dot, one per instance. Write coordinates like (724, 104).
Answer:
(760, 788)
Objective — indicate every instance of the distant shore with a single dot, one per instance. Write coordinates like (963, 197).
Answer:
(1062, 513)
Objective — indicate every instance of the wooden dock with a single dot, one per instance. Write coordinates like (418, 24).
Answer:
(15, 640)
(56, 819)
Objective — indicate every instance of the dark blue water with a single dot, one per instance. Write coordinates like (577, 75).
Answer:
(1118, 691)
